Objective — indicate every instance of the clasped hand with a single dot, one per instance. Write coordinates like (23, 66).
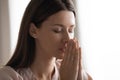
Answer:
(71, 65)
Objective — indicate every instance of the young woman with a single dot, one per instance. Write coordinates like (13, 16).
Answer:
(46, 47)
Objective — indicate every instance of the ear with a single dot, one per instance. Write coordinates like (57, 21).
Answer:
(33, 30)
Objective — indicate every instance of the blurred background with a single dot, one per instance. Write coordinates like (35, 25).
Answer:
(98, 31)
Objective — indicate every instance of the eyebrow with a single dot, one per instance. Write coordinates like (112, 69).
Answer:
(62, 25)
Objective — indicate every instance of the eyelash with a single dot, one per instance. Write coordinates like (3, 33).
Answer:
(58, 31)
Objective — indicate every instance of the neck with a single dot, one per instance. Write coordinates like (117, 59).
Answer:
(43, 68)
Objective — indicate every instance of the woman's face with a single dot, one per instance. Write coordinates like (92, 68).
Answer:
(54, 33)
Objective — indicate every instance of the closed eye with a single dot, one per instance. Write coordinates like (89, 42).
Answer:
(57, 30)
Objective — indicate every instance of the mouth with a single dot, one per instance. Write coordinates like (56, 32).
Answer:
(61, 53)
(62, 49)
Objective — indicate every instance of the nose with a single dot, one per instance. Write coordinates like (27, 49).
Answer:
(67, 37)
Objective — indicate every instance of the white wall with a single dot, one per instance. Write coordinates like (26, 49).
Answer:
(99, 22)
(11, 12)
(17, 8)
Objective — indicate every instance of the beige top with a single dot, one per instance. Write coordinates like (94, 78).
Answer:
(8, 73)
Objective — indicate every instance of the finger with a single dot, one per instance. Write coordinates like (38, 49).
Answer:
(67, 53)
(72, 51)
(76, 55)
(77, 51)
(80, 58)
(76, 60)
(80, 67)
(71, 59)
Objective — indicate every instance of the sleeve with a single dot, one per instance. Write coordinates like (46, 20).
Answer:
(7, 73)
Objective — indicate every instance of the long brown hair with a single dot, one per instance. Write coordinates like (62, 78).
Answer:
(36, 12)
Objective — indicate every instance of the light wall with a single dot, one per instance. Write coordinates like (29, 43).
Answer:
(17, 8)
(99, 22)
(11, 12)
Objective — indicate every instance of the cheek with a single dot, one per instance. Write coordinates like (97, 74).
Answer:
(56, 36)
(55, 42)
(54, 39)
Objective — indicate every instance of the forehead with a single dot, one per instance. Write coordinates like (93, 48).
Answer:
(62, 17)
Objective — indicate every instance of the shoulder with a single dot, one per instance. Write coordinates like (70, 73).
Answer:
(8, 73)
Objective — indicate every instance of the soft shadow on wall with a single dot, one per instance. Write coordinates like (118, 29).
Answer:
(4, 32)
(11, 12)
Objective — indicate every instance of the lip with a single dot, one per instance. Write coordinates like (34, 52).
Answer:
(62, 49)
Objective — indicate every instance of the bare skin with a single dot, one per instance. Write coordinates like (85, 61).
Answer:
(56, 32)
(70, 65)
